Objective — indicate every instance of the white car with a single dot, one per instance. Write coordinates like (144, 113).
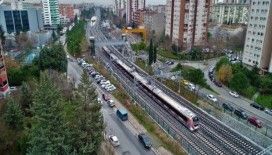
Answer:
(191, 86)
(105, 82)
(99, 100)
(212, 98)
(114, 140)
(234, 94)
(105, 85)
(268, 111)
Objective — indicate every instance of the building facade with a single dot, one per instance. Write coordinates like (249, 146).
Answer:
(258, 45)
(153, 24)
(51, 15)
(157, 8)
(15, 21)
(187, 22)
(67, 11)
(131, 7)
(230, 12)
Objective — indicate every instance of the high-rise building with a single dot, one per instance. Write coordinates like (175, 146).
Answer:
(51, 13)
(131, 7)
(4, 87)
(230, 11)
(187, 22)
(258, 45)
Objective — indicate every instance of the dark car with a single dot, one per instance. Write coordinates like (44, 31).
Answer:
(227, 107)
(105, 97)
(255, 121)
(145, 140)
(218, 83)
(257, 106)
(240, 113)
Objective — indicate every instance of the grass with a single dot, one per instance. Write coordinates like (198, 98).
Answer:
(142, 64)
(265, 100)
(170, 55)
(143, 118)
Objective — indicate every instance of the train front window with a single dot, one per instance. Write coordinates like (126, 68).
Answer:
(195, 119)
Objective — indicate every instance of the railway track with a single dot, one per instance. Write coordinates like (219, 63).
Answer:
(212, 138)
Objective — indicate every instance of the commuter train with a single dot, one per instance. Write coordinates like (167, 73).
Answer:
(183, 114)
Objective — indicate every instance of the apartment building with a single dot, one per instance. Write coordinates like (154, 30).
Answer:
(258, 45)
(230, 11)
(51, 13)
(131, 7)
(67, 11)
(187, 22)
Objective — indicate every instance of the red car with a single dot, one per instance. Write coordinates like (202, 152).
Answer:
(105, 97)
(255, 121)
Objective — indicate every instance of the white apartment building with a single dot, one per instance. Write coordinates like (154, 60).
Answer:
(131, 7)
(258, 43)
(230, 11)
(51, 15)
(187, 22)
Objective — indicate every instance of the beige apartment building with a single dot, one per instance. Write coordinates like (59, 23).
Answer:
(187, 22)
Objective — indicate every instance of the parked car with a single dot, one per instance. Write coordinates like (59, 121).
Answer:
(234, 94)
(240, 113)
(111, 103)
(212, 98)
(145, 140)
(227, 107)
(257, 106)
(268, 111)
(114, 140)
(191, 87)
(122, 114)
(217, 83)
(99, 100)
(255, 121)
(105, 97)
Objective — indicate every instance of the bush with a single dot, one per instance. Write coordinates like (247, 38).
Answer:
(265, 100)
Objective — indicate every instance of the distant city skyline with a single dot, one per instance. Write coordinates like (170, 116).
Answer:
(103, 2)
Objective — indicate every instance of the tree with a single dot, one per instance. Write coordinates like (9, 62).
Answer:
(196, 76)
(84, 45)
(222, 61)
(225, 73)
(155, 54)
(53, 58)
(2, 36)
(25, 41)
(13, 115)
(54, 36)
(239, 82)
(26, 98)
(150, 53)
(48, 128)
(89, 120)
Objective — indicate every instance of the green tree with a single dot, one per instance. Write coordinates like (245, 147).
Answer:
(26, 98)
(150, 53)
(89, 121)
(13, 115)
(155, 54)
(239, 82)
(53, 58)
(266, 85)
(47, 132)
(196, 76)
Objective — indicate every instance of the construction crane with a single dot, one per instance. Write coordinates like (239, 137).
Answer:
(140, 30)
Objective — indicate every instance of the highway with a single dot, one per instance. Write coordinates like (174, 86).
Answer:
(212, 138)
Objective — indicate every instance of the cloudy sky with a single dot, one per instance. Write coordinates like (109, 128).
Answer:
(99, 1)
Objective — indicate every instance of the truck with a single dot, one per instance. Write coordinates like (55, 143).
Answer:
(122, 114)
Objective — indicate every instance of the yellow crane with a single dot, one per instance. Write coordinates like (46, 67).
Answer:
(141, 31)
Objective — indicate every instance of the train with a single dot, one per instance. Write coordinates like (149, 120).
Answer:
(183, 114)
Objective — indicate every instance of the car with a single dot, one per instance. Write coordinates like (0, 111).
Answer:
(12, 88)
(105, 85)
(99, 100)
(212, 98)
(240, 113)
(109, 86)
(217, 83)
(145, 140)
(111, 103)
(227, 107)
(110, 89)
(105, 97)
(234, 94)
(114, 140)
(255, 121)
(191, 87)
(105, 82)
(268, 111)
(257, 106)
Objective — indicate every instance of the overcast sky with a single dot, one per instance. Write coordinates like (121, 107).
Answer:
(105, 2)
